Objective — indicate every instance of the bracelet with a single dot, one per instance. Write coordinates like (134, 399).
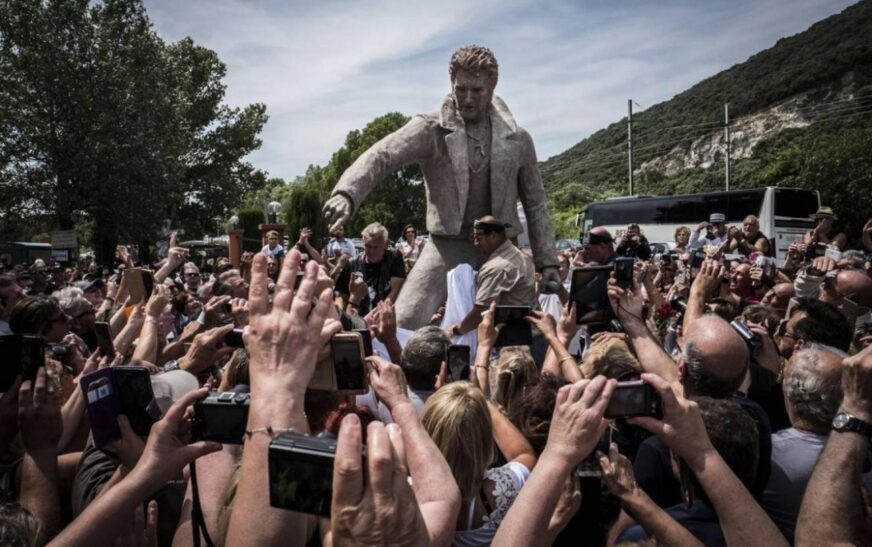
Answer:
(480, 366)
(567, 358)
(152, 320)
(268, 430)
(109, 298)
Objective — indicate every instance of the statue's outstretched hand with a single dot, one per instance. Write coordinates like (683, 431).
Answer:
(337, 210)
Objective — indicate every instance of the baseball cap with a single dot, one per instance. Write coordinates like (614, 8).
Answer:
(717, 218)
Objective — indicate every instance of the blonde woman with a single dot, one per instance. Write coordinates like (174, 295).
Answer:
(465, 426)
(514, 371)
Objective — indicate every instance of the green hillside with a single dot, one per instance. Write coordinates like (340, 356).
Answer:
(832, 155)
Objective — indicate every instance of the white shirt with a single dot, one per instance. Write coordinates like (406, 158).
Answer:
(336, 247)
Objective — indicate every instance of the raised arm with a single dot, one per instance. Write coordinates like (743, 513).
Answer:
(706, 283)
(831, 503)
(438, 498)
(575, 428)
(283, 343)
(512, 444)
(558, 360)
(628, 306)
(742, 520)
(487, 338)
(618, 478)
(39, 416)
(148, 345)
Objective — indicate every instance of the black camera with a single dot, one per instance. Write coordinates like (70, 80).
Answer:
(696, 259)
(677, 303)
(634, 398)
(221, 417)
(301, 472)
(624, 272)
(22, 355)
(750, 337)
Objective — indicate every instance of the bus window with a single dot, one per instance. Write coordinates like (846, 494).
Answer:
(795, 203)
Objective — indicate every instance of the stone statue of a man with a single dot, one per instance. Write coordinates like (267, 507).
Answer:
(476, 161)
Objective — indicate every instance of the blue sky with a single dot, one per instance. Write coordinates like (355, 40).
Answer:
(567, 68)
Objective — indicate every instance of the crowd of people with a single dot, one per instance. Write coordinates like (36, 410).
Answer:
(761, 372)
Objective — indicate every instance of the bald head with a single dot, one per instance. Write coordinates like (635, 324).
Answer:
(855, 282)
(598, 245)
(488, 233)
(778, 297)
(715, 358)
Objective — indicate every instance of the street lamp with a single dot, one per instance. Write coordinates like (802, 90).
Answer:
(234, 222)
(272, 209)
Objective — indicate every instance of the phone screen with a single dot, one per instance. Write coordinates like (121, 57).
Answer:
(515, 331)
(102, 401)
(624, 272)
(349, 365)
(589, 291)
(136, 398)
(457, 360)
(104, 339)
(367, 341)
(233, 339)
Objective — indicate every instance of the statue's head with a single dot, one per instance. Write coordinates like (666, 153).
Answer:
(474, 73)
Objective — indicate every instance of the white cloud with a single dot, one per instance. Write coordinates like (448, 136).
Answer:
(567, 68)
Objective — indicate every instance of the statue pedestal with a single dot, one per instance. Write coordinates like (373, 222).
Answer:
(234, 246)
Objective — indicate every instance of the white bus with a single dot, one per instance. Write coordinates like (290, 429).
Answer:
(783, 213)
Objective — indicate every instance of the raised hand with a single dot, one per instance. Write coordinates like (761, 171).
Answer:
(377, 507)
(618, 473)
(39, 414)
(284, 341)
(681, 427)
(627, 304)
(488, 332)
(388, 380)
(577, 422)
(167, 451)
(857, 385)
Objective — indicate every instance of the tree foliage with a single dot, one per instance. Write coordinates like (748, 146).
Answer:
(396, 201)
(104, 124)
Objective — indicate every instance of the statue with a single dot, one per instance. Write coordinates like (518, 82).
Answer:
(476, 161)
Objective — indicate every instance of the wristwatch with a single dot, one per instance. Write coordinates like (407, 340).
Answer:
(172, 365)
(845, 423)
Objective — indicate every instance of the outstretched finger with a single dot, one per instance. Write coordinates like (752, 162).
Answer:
(258, 293)
(380, 464)
(284, 292)
(151, 523)
(340, 222)
(301, 305)
(347, 467)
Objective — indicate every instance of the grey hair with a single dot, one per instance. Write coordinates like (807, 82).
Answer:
(422, 356)
(191, 265)
(700, 380)
(814, 397)
(375, 229)
(67, 297)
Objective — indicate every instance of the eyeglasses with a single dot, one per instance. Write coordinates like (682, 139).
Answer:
(192, 274)
(782, 331)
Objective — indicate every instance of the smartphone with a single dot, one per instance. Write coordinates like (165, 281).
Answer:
(589, 291)
(348, 363)
(135, 284)
(457, 360)
(696, 259)
(515, 331)
(815, 250)
(22, 356)
(233, 339)
(635, 398)
(104, 339)
(367, 341)
(147, 282)
(624, 272)
(114, 391)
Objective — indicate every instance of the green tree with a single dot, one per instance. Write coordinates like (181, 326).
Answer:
(101, 122)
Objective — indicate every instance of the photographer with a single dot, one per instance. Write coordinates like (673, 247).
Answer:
(710, 234)
(634, 244)
(749, 239)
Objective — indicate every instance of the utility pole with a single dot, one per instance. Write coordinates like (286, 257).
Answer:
(727, 141)
(630, 141)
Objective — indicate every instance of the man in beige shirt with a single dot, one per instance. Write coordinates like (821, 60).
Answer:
(507, 277)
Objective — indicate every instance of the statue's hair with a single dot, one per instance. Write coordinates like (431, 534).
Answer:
(474, 59)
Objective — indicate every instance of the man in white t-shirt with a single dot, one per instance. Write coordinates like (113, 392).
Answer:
(273, 247)
(338, 245)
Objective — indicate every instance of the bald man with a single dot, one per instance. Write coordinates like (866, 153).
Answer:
(598, 246)
(778, 297)
(823, 280)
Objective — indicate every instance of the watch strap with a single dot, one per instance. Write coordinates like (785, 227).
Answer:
(855, 425)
